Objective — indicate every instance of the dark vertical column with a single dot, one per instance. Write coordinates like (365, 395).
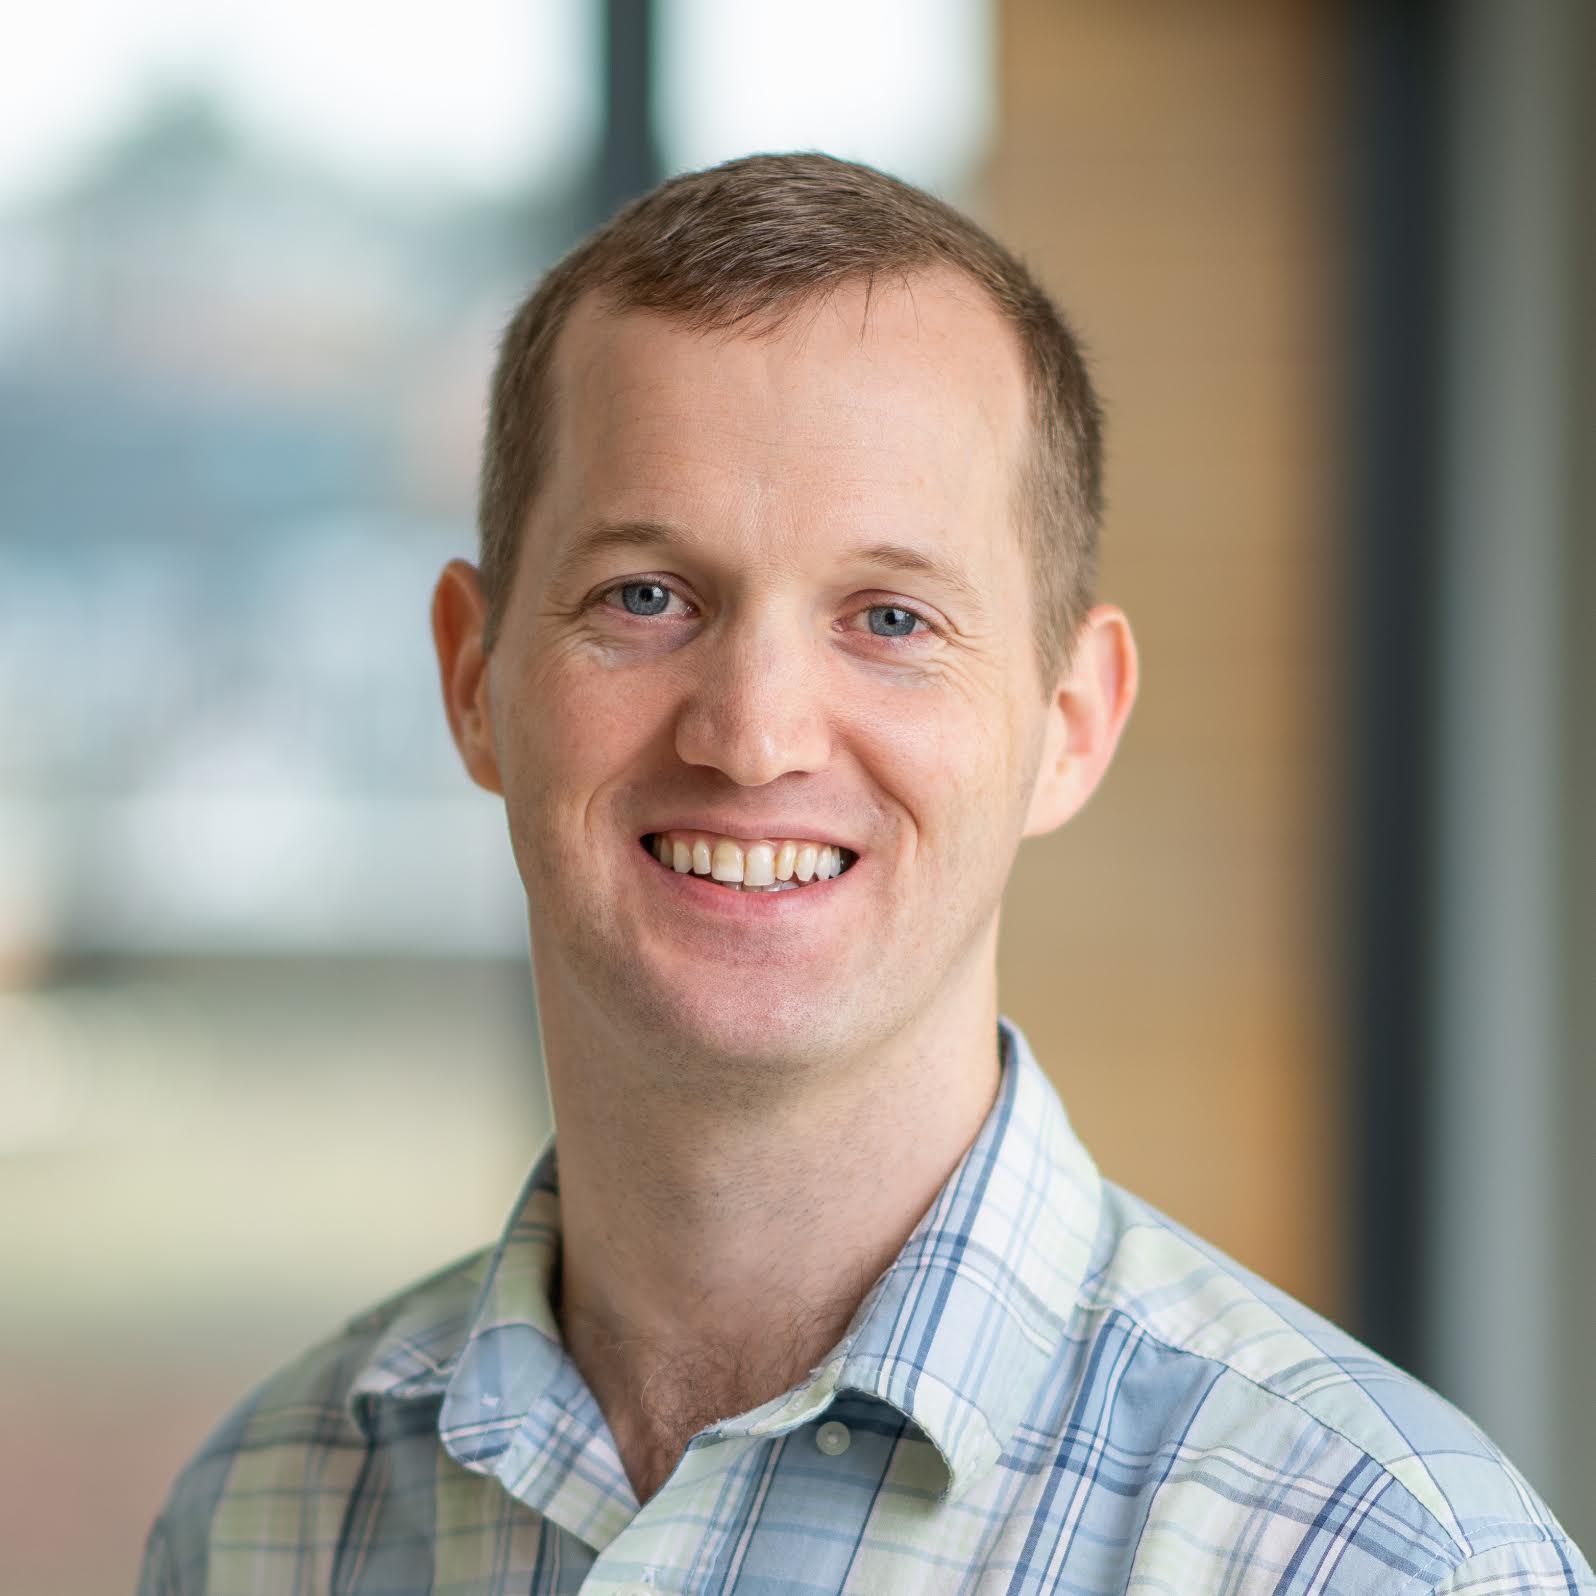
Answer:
(1395, 116)
(1576, 1312)
(629, 160)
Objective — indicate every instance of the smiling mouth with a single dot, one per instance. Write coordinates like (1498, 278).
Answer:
(765, 866)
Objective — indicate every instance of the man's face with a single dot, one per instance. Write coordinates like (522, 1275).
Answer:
(771, 591)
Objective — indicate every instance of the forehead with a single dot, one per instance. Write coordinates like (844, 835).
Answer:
(887, 403)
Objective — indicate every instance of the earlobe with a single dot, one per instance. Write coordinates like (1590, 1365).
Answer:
(459, 614)
(1085, 717)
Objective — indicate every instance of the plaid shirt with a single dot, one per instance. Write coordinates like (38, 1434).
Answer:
(1053, 1388)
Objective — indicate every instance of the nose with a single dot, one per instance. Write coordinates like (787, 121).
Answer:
(756, 709)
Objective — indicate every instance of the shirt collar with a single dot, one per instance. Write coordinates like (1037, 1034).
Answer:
(957, 1334)
(960, 1331)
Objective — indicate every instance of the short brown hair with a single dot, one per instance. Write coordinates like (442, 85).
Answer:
(744, 244)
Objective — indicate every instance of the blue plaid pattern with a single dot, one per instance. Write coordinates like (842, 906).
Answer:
(1054, 1388)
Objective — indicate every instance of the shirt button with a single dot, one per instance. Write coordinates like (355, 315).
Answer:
(832, 1438)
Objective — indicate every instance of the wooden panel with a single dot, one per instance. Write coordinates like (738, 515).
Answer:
(1166, 168)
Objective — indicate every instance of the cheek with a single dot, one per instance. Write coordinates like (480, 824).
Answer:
(947, 760)
(576, 732)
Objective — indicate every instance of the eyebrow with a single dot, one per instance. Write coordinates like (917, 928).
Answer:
(601, 537)
(904, 557)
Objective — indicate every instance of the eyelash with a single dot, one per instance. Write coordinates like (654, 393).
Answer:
(931, 629)
(647, 581)
(636, 581)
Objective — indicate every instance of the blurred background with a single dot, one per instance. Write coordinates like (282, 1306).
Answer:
(1314, 972)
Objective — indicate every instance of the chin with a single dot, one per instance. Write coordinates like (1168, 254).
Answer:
(768, 1020)
(711, 1005)
(734, 1026)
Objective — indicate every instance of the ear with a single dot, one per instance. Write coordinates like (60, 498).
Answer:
(1088, 710)
(459, 613)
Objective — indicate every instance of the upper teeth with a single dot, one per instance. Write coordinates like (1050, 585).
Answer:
(749, 864)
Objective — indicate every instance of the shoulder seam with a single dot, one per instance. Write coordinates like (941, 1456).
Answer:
(379, 1314)
(1442, 1572)
(1149, 1334)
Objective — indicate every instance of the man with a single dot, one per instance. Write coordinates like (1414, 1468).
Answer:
(783, 638)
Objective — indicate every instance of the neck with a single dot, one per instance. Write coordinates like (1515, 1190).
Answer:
(716, 1243)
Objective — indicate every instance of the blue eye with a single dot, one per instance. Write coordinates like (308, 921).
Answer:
(644, 598)
(895, 621)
